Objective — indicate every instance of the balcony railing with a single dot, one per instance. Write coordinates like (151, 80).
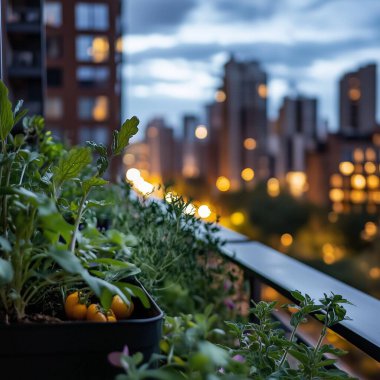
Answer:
(285, 274)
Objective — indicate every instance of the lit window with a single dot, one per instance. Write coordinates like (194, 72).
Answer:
(90, 76)
(92, 48)
(53, 107)
(93, 108)
(53, 14)
(262, 90)
(91, 16)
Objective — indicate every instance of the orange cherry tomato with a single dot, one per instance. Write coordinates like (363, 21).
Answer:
(120, 308)
(96, 314)
(75, 307)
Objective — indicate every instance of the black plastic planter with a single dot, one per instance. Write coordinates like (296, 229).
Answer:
(76, 350)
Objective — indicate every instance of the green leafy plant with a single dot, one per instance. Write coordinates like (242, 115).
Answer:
(44, 194)
(193, 348)
(177, 252)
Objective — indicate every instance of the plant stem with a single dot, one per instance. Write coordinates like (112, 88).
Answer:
(287, 348)
(77, 222)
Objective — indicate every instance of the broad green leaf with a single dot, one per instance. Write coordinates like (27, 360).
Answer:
(297, 295)
(135, 291)
(67, 261)
(106, 298)
(299, 356)
(325, 363)
(71, 165)
(91, 182)
(20, 115)
(19, 140)
(53, 223)
(122, 137)
(6, 114)
(6, 272)
(113, 262)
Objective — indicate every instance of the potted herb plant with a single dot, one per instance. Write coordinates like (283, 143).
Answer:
(54, 262)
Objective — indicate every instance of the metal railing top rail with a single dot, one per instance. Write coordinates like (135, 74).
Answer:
(286, 274)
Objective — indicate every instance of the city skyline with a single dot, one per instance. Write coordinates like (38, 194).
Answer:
(175, 65)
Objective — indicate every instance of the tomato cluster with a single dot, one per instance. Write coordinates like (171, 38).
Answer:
(76, 309)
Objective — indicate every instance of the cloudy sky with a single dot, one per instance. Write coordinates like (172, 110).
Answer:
(176, 50)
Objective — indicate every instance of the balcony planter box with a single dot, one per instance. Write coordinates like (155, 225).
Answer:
(76, 350)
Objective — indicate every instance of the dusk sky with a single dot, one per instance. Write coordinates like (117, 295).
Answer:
(176, 50)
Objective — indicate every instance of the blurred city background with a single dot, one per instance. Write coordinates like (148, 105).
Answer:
(264, 114)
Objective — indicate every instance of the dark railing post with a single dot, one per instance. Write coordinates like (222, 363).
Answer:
(254, 292)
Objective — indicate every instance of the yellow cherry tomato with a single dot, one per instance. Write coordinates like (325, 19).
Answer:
(120, 308)
(75, 308)
(96, 314)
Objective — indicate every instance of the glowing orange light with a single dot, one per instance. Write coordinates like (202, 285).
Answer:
(286, 240)
(354, 94)
(358, 196)
(247, 174)
(370, 167)
(250, 143)
(237, 218)
(358, 181)
(220, 96)
(358, 155)
(336, 195)
(346, 167)
(223, 183)
(273, 187)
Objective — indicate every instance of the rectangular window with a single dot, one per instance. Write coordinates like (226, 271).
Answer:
(53, 14)
(92, 77)
(54, 47)
(91, 16)
(54, 77)
(91, 48)
(93, 108)
(97, 133)
(54, 107)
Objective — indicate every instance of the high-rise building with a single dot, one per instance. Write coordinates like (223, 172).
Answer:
(23, 50)
(298, 133)
(190, 168)
(63, 58)
(244, 127)
(83, 67)
(163, 156)
(357, 101)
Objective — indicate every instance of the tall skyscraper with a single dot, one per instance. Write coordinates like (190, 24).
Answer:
(191, 157)
(298, 133)
(23, 61)
(244, 128)
(357, 101)
(83, 59)
(163, 156)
